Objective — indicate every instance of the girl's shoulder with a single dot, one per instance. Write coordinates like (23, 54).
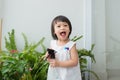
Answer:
(70, 44)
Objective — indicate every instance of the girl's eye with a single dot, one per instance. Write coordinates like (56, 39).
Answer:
(65, 25)
(58, 26)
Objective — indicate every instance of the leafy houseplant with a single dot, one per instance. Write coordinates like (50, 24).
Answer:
(22, 65)
(29, 64)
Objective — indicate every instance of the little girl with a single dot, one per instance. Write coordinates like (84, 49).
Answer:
(65, 66)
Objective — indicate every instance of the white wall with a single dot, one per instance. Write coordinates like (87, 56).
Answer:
(0, 8)
(105, 35)
(99, 38)
(33, 17)
(113, 39)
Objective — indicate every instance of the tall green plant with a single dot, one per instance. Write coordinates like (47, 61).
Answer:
(10, 43)
(36, 60)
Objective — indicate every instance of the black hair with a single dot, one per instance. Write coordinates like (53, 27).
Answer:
(62, 19)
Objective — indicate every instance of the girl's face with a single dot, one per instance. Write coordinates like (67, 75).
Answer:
(61, 29)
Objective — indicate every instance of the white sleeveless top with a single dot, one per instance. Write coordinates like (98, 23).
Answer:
(63, 73)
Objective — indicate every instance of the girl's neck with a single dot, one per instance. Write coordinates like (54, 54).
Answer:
(62, 42)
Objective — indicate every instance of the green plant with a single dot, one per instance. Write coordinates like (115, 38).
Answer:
(29, 64)
(23, 65)
(36, 60)
(10, 43)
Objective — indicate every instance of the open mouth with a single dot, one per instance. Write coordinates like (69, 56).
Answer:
(63, 33)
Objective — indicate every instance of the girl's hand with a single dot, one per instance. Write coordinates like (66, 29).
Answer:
(46, 56)
(53, 62)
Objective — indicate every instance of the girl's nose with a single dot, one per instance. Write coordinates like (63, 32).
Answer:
(62, 27)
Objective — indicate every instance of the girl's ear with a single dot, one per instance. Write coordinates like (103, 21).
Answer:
(54, 33)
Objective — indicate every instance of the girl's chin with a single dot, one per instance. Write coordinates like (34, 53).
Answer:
(64, 39)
